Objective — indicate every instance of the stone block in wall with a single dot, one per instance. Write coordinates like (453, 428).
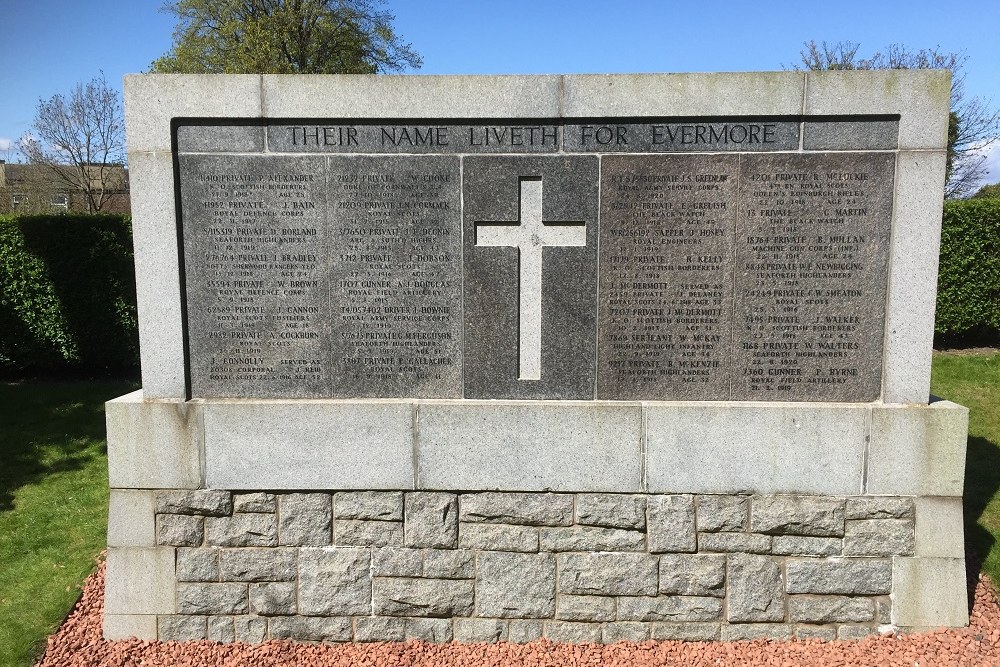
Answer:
(429, 629)
(692, 574)
(352, 533)
(607, 574)
(397, 562)
(691, 632)
(585, 608)
(197, 565)
(431, 520)
(449, 564)
(368, 505)
(273, 599)
(611, 510)
(755, 589)
(879, 507)
(879, 537)
(250, 629)
(751, 543)
(206, 502)
(257, 564)
(626, 631)
(572, 633)
(720, 512)
(590, 538)
(522, 631)
(515, 585)
(479, 630)
(305, 519)
(823, 632)
(221, 629)
(856, 632)
(212, 599)
(797, 515)
(441, 598)
(129, 626)
(750, 631)
(669, 608)
(497, 536)
(670, 524)
(334, 581)
(311, 628)
(179, 530)
(379, 629)
(242, 530)
(830, 609)
(255, 502)
(181, 628)
(839, 576)
(531, 509)
(799, 545)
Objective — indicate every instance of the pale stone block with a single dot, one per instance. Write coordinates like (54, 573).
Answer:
(153, 444)
(749, 631)
(379, 629)
(625, 631)
(696, 94)
(690, 632)
(939, 528)
(480, 630)
(158, 289)
(383, 96)
(669, 608)
(510, 585)
(913, 262)
(131, 518)
(129, 626)
(573, 633)
(929, 593)
(671, 523)
(523, 631)
(761, 448)
(182, 628)
(430, 629)
(755, 589)
(541, 446)
(140, 580)
(918, 451)
(152, 100)
(920, 97)
(308, 445)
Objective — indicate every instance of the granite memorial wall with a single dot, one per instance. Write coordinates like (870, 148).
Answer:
(587, 357)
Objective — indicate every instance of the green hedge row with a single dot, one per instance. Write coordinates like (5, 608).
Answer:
(67, 296)
(67, 289)
(968, 301)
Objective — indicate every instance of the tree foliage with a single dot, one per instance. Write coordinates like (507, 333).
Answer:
(973, 125)
(80, 141)
(988, 192)
(284, 37)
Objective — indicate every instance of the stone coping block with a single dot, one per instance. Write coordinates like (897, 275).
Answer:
(140, 580)
(578, 446)
(929, 593)
(131, 518)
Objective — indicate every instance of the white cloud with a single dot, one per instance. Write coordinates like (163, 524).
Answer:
(5, 144)
(992, 164)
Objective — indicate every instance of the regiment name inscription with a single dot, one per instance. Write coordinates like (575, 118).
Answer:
(653, 259)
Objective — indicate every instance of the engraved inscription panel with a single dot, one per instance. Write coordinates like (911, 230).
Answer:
(666, 249)
(812, 260)
(396, 283)
(257, 281)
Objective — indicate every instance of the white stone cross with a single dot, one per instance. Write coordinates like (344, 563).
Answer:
(529, 234)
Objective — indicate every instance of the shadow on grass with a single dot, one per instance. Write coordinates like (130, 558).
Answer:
(50, 428)
(981, 483)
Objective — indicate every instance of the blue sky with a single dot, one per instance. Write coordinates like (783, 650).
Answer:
(48, 45)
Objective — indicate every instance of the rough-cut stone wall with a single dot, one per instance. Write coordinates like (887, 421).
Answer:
(377, 565)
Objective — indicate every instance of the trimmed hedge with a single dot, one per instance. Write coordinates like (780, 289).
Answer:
(67, 296)
(968, 300)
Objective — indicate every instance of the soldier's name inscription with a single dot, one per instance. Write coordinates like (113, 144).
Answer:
(723, 261)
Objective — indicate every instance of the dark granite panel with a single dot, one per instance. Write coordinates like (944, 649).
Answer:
(220, 138)
(850, 135)
(564, 334)
(394, 137)
(257, 278)
(396, 276)
(812, 259)
(608, 136)
(666, 276)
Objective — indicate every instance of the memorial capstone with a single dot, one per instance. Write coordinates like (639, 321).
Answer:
(583, 357)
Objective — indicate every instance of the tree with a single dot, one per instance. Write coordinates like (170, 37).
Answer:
(79, 142)
(972, 126)
(284, 37)
(988, 192)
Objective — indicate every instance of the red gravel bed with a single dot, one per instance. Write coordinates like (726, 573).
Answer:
(78, 643)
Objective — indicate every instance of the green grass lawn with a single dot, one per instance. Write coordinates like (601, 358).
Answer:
(54, 496)
(53, 505)
(973, 380)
